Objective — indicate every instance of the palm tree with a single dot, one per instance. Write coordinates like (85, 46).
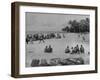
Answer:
(74, 25)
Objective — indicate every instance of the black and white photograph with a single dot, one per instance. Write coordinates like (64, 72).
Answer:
(57, 39)
(53, 39)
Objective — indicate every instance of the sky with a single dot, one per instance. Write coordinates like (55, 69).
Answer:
(48, 21)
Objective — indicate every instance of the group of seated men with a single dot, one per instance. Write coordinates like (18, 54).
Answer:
(48, 49)
(75, 49)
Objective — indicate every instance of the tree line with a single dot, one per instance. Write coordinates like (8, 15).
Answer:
(77, 26)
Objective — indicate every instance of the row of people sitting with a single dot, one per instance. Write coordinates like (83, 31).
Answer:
(43, 36)
(75, 49)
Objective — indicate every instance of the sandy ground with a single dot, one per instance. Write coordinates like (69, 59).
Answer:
(36, 50)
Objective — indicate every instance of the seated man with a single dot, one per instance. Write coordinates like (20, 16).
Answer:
(72, 50)
(46, 49)
(77, 49)
(82, 49)
(67, 50)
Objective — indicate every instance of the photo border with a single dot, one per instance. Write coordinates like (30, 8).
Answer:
(15, 32)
